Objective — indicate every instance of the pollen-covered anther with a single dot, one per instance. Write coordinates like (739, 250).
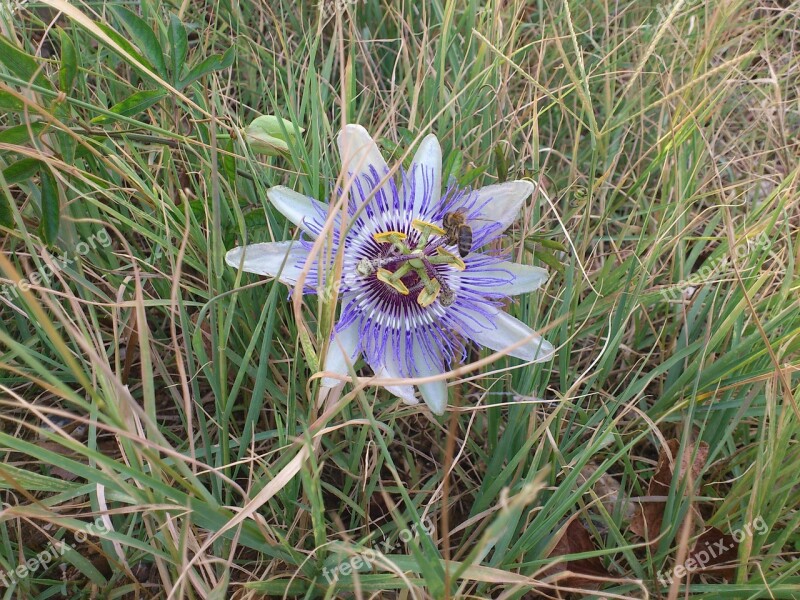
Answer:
(429, 293)
(426, 229)
(393, 280)
(447, 258)
(389, 237)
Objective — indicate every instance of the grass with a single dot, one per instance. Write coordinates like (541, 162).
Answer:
(159, 414)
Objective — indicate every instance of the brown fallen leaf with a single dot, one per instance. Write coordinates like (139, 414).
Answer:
(573, 573)
(608, 491)
(712, 550)
(646, 523)
(713, 553)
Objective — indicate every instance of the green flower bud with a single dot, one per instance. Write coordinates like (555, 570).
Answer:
(266, 136)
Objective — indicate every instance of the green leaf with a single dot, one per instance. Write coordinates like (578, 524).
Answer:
(126, 46)
(215, 62)
(10, 103)
(68, 69)
(21, 134)
(452, 167)
(6, 215)
(178, 47)
(14, 476)
(22, 65)
(51, 208)
(132, 105)
(548, 243)
(21, 170)
(501, 163)
(67, 146)
(227, 58)
(142, 35)
(549, 259)
(472, 175)
(228, 160)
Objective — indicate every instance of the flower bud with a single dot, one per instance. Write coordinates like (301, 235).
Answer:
(266, 136)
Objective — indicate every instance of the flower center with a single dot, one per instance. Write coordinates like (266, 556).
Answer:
(413, 269)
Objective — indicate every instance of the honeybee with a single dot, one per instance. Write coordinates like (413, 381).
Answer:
(458, 232)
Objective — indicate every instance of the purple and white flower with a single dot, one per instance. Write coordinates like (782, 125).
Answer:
(409, 298)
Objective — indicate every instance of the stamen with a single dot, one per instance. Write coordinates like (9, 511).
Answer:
(395, 238)
(389, 237)
(429, 293)
(447, 258)
(418, 264)
(424, 226)
(426, 229)
(393, 280)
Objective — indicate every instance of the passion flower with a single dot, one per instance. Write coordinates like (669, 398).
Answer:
(414, 281)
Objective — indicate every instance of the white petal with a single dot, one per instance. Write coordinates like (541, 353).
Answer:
(359, 151)
(404, 392)
(296, 207)
(435, 395)
(341, 354)
(507, 331)
(526, 278)
(360, 155)
(501, 202)
(426, 174)
(283, 260)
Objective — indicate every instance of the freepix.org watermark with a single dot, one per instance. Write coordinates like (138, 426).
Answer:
(44, 274)
(368, 556)
(329, 7)
(53, 551)
(704, 273)
(702, 557)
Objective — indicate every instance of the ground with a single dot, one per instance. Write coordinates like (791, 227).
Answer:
(161, 430)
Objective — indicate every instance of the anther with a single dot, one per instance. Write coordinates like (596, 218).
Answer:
(393, 280)
(395, 238)
(447, 258)
(429, 293)
(426, 229)
(389, 237)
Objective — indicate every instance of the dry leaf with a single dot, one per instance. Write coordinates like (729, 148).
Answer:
(647, 521)
(607, 489)
(574, 540)
(712, 549)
